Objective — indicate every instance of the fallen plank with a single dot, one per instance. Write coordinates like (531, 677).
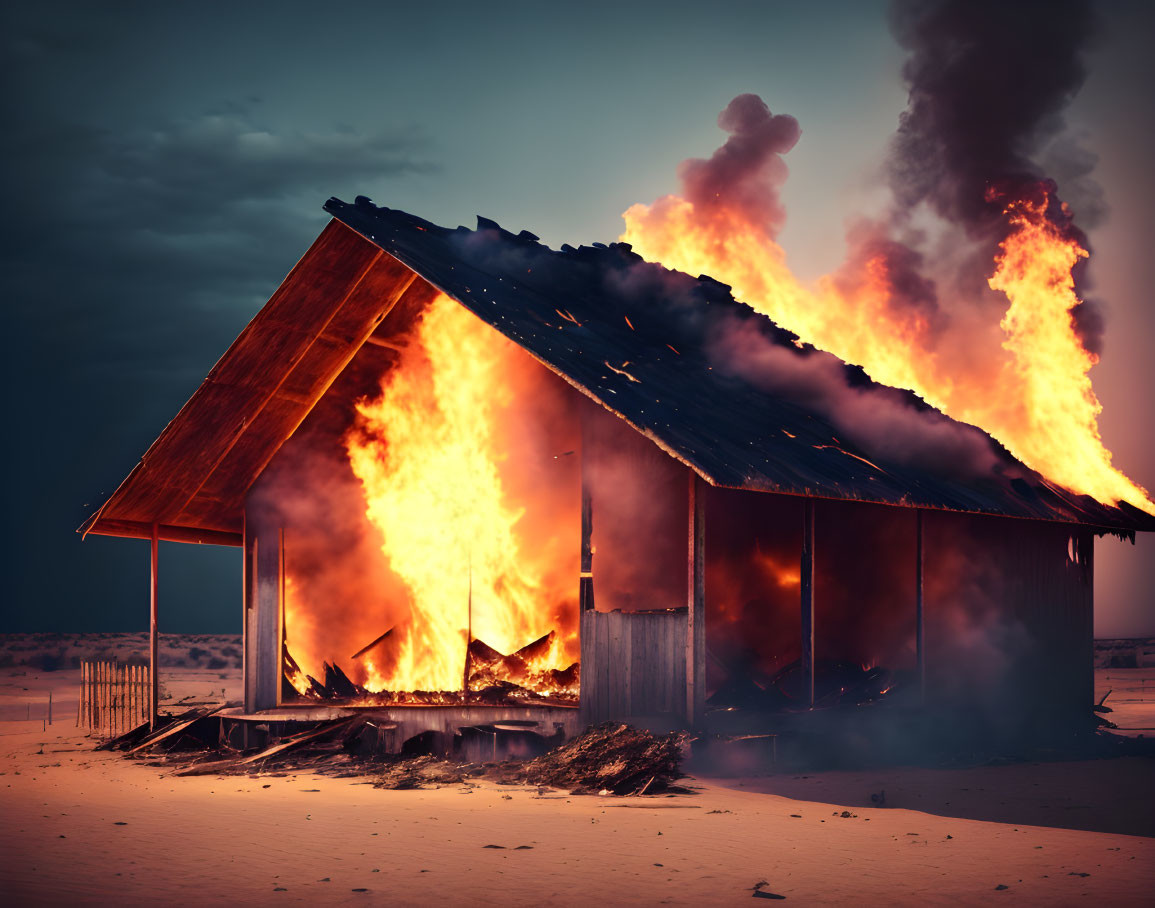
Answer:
(361, 652)
(133, 735)
(233, 763)
(178, 726)
(206, 769)
(296, 741)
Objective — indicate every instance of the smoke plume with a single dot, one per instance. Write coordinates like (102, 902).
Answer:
(745, 174)
(988, 84)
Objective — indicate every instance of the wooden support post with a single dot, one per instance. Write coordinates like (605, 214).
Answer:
(919, 624)
(696, 605)
(279, 668)
(264, 627)
(586, 615)
(807, 603)
(154, 632)
(586, 583)
(246, 608)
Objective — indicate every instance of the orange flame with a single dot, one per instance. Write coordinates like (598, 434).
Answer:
(441, 466)
(1030, 390)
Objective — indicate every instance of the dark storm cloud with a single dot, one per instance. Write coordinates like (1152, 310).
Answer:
(182, 194)
(161, 224)
(135, 248)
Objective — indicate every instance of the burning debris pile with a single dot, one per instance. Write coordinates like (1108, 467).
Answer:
(490, 677)
(430, 519)
(492, 674)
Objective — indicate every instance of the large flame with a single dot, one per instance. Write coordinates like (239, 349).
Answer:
(439, 460)
(1054, 425)
(1034, 394)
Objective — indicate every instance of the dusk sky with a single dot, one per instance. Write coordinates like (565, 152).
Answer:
(165, 166)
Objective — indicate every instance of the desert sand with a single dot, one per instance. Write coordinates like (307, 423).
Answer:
(85, 827)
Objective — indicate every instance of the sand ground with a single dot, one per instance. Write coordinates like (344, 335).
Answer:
(82, 827)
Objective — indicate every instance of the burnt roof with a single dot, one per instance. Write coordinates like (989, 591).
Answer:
(588, 312)
(638, 338)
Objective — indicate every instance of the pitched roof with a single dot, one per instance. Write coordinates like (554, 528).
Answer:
(638, 338)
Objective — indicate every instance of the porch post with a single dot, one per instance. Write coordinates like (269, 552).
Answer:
(154, 634)
(264, 605)
(586, 582)
(920, 626)
(586, 615)
(807, 603)
(696, 605)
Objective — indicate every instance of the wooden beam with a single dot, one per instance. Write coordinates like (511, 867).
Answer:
(376, 341)
(696, 604)
(920, 626)
(133, 529)
(807, 602)
(154, 632)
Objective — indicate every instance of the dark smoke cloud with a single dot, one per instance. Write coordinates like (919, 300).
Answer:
(881, 421)
(988, 84)
(874, 253)
(745, 174)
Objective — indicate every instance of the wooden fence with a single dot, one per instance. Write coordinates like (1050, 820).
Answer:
(114, 698)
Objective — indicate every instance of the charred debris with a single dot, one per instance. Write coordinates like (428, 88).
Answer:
(491, 678)
(610, 758)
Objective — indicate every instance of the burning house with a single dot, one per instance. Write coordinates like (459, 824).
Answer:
(477, 480)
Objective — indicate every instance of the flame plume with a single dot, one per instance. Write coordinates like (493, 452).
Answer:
(1032, 392)
(438, 465)
(1054, 425)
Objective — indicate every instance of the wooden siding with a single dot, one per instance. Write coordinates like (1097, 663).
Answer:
(1008, 612)
(633, 666)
